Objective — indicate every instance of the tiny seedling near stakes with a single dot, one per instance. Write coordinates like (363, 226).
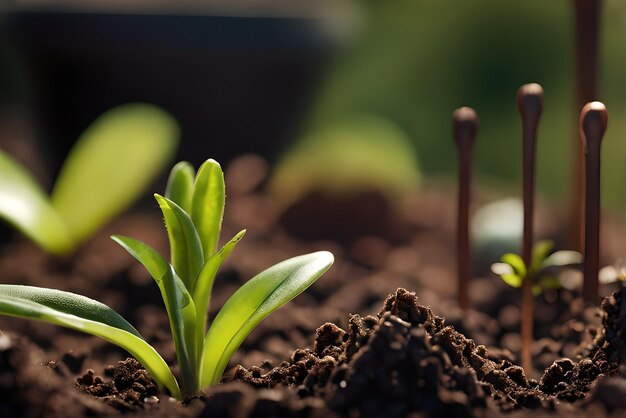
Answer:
(193, 207)
(545, 265)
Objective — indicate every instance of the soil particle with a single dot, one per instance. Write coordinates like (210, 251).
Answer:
(131, 386)
(328, 337)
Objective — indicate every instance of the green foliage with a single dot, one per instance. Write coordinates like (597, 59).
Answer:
(86, 315)
(111, 164)
(361, 152)
(513, 271)
(185, 284)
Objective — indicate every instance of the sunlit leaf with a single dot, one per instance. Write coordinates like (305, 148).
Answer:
(185, 246)
(146, 255)
(541, 249)
(207, 206)
(562, 258)
(178, 303)
(86, 315)
(112, 163)
(180, 185)
(516, 262)
(506, 272)
(260, 296)
(204, 284)
(25, 205)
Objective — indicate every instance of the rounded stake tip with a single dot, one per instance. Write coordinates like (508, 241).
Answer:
(593, 120)
(531, 89)
(465, 125)
(594, 107)
(530, 100)
(463, 114)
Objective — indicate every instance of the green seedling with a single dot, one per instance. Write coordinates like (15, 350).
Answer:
(193, 207)
(112, 163)
(544, 264)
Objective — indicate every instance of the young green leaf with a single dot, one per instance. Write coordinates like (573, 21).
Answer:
(516, 262)
(182, 314)
(178, 303)
(506, 272)
(98, 181)
(86, 315)
(24, 205)
(541, 250)
(256, 299)
(180, 185)
(146, 255)
(204, 284)
(185, 246)
(207, 205)
(561, 258)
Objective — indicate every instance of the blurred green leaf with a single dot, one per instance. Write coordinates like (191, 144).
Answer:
(541, 249)
(562, 258)
(26, 206)
(111, 165)
(506, 272)
(516, 262)
(358, 153)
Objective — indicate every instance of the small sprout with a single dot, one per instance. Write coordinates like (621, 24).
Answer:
(97, 181)
(513, 272)
(593, 120)
(193, 207)
(465, 126)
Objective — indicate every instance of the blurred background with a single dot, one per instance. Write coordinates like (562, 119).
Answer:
(325, 90)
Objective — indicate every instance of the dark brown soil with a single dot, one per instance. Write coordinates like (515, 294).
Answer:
(407, 360)
(333, 351)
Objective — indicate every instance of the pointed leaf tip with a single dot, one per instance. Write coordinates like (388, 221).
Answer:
(207, 205)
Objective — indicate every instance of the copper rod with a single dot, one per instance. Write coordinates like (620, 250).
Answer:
(465, 127)
(587, 22)
(593, 120)
(530, 106)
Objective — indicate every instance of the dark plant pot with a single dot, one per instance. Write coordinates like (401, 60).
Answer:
(235, 84)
